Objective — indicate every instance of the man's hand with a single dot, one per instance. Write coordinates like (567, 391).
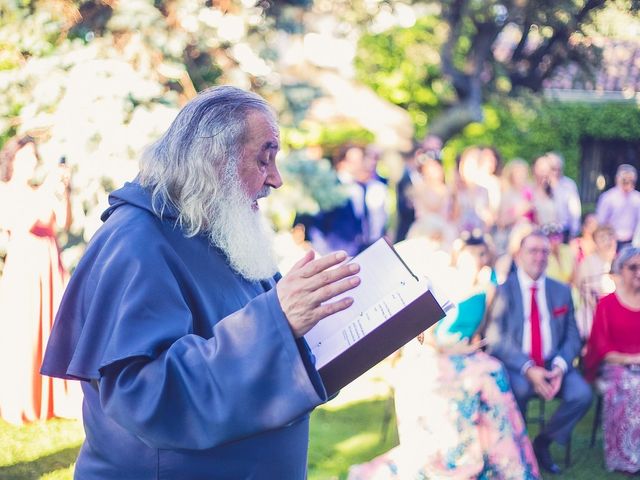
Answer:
(304, 291)
(554, 377)
(538, 378)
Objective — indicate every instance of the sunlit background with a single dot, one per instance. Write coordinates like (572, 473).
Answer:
(95, 81)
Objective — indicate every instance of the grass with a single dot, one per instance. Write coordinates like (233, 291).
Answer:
(353, 435)
(44, 450)
(347, 430)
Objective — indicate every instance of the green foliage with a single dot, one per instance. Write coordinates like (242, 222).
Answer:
(329, 137)
(528, 127)
(27, 31)
(402, 66)
(313, 184)
(477, 51)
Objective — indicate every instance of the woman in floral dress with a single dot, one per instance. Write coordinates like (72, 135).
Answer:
(457, 417)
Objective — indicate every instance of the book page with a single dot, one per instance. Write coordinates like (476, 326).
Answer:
(328, 348)
(386, 286)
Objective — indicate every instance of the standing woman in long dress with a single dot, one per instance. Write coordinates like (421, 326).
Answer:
(31, 285)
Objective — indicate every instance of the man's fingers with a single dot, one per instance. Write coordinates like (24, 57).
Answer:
(545, 390)
(328, 277)
(308, 256)
(550, 374)
(555, 386)
(322, 263)
(541, 391)
(334, 289)
(330, 308)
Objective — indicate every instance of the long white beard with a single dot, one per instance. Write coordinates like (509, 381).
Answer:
(243, 234)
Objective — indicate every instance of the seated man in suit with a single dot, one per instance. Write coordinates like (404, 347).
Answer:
(532, 330)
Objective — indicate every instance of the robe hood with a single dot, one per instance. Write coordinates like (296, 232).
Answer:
(134, 194)
(128, 271)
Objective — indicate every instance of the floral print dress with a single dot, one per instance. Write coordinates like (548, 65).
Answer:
(457, 419)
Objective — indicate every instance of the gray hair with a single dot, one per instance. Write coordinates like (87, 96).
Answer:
(626, 254)
(626, 168)
(539, 233)
(186, 167)
(558, 158)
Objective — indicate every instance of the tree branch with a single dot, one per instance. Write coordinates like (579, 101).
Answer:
(453, 16)
(554, 51)
(517, 52)
(453, 120)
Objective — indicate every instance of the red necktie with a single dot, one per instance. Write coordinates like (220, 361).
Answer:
(536, 336)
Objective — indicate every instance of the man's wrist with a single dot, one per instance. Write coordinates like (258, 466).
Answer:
(527, 365)
(560, 363)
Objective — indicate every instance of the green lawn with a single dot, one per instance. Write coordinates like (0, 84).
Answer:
(347, 430)
(40, 450)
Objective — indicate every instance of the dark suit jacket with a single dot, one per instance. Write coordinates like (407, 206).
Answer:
(404, 206)
(506, 322)
(342, 229)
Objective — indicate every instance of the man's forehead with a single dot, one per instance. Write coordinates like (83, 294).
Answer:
(535, 241)
(266, 123)
(262, 131)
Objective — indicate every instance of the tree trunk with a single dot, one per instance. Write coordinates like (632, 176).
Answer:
(453, 120)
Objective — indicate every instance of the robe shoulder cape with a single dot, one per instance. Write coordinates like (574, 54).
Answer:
(194, 370)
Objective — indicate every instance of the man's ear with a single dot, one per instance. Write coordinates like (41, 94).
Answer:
(516, 257)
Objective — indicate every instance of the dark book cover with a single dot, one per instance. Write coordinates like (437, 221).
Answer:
(381, 342)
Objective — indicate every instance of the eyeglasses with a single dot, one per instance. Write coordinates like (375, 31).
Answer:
(633, 268)
(429, 154)
(538, 251)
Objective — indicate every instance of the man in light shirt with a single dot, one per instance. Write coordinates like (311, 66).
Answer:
(565, 197)
(532, 330)
(619, 206)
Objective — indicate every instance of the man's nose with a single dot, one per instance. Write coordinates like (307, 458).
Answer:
(274, 180)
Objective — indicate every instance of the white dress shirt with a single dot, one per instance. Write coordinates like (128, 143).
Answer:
(526, 282)
(376, 200)
(568, 207)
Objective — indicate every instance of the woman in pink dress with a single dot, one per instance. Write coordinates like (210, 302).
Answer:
(613, 354)
(543, 202)
(471, 208)
(516, 202)
(585, 244)
(593, 277)
(31, 285)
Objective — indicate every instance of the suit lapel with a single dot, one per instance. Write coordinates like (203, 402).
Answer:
(553, 322)
(518, 313)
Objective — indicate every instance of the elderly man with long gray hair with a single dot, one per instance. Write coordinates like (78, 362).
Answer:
(188, 344)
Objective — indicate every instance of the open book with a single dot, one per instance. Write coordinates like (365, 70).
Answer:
(391, 306)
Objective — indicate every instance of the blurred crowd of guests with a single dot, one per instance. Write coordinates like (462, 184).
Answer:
(545, 297)
(529, 273)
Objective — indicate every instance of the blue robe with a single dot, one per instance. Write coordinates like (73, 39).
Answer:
(189, 371)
